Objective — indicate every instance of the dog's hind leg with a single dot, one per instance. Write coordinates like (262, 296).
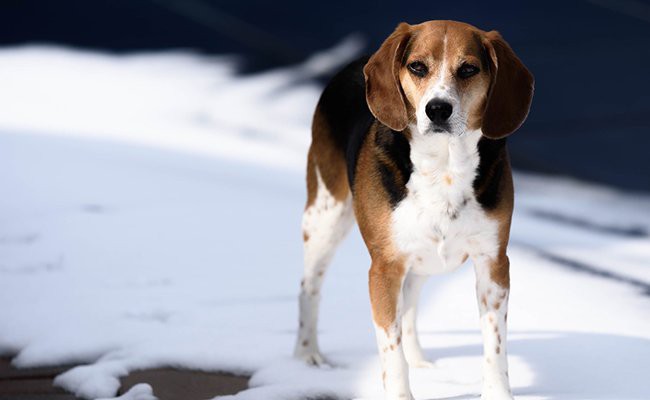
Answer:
(326, 220)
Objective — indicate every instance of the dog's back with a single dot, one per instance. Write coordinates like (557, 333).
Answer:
(341, 122)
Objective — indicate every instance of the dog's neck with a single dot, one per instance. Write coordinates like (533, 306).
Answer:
(436, 153)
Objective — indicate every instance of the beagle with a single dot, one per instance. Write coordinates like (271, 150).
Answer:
(411, 143)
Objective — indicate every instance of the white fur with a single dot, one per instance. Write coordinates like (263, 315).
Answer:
(325, 223)
(410, 342)
(395, 372)
(444, 89)
(439, 223)
(493, 308)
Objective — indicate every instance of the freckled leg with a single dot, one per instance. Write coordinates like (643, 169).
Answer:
(492, 288)
(412, 349)
(385, 280)
(325, 224)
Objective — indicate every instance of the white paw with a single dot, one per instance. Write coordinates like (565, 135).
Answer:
(313, 358)
(421, 364)
(499, 394)
(418, 361)
(399, 396)
(499, 397)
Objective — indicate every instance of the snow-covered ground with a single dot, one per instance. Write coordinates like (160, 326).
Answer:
(150, 216)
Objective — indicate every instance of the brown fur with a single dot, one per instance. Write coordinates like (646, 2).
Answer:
(371, 205)
(385, 283)
(383, 89)
(512, 89)
(500, 268)
(373, 212)
(329, 160)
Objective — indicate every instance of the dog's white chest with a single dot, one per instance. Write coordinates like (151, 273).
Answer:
(439, 224)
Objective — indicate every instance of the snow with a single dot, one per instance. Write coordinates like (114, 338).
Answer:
(141, 391)
(150, 217)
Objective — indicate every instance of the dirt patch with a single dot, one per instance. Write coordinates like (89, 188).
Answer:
(167, 383)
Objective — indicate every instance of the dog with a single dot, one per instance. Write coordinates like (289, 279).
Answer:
(411, 142)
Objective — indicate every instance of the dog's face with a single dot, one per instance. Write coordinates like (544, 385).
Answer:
(448, 77)
(445, 78)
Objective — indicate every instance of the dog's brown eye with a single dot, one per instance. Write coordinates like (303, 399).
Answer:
(418, 68)
(467, 70)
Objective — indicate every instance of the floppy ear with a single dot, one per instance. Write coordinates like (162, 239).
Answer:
(383, 89)
(511, 90)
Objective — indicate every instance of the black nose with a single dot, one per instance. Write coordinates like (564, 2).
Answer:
(438, 111)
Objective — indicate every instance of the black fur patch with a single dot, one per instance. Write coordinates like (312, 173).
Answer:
(393, 163)
(343, 104)
(489, 177)
(389, 180)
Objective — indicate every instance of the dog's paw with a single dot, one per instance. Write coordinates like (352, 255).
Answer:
(418, 361)
(313, 359)
(422, 364)
(399, 396)
(499, 397)
(499, 394)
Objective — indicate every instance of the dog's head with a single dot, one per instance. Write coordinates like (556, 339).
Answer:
(450, 77)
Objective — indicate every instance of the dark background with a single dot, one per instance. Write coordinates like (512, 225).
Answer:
(591, 58)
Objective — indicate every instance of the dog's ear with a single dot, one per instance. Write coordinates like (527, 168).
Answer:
(511, 89)
(383, 89)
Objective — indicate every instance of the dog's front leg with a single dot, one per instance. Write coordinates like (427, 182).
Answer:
(386, 279)
(492, 288)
